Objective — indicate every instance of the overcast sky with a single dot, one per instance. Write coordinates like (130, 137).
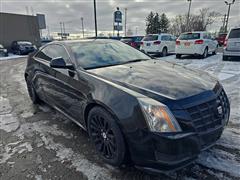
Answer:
(71, 11)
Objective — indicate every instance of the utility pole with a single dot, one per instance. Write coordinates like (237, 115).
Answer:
(229, 9)
(95, 17)
(125, 22)
(63, 27)
(61, 30)
(82, 27)
(224, 23)
(188, 16)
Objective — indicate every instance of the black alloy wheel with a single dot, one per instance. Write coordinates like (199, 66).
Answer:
(106, 136)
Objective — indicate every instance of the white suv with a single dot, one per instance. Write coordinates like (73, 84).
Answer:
(195, 43)
(158, 44)
(232, 44)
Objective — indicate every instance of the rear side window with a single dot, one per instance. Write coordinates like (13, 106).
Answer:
(189, 36)
(166, 38)
(235, 33)
(150, 38)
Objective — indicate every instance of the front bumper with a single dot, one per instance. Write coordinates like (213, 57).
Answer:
(157, 152)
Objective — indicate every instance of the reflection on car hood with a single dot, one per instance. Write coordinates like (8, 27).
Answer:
(167, 79)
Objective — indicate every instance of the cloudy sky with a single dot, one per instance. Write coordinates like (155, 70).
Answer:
(71, 11)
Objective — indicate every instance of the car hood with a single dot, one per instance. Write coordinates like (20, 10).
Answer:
(159, 77)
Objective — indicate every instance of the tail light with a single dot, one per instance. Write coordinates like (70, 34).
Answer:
(199, 41)
(157, 42)
(141, 43)
(178, 42)
(133, 44)
(225, 42)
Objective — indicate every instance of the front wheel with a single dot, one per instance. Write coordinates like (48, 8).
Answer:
(164, 52)
(205, 53)
(106, 136)
(32, 93)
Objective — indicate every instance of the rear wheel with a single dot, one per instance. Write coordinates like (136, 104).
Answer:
(205, 53)
(164, 52)
(106, 136)
(178, 56)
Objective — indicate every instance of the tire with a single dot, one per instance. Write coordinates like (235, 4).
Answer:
(106, 136)
(205, 53)
(215, 52)
(178, 56)
(225, 58)
(164, 52)
(32, 93)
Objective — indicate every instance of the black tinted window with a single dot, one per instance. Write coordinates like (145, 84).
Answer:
(235, 33)
(150, 38)
(189, 36)
(53, 51)
(165, 38)
(99, 54)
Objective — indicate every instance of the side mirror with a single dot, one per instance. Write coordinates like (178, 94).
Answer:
(60, 63)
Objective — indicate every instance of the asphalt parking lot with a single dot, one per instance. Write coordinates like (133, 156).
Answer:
(36, 142)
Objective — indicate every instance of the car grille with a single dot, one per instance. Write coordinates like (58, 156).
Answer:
(211, 114)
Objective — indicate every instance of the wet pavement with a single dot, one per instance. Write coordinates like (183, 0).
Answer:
(36, 142)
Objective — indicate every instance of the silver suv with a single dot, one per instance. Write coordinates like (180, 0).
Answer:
(232, 44)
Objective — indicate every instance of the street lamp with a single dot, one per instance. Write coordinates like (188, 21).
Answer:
(189, 9)
(229, 8)
(95, 17)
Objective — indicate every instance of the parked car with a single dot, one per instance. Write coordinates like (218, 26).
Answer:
(3, 51)
(154, 114)
(161, 44)
(134, 41)
(195, 43)
(22, 47)
(221, 38)
(232, 44)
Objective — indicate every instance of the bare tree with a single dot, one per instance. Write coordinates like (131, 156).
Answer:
(197, 22)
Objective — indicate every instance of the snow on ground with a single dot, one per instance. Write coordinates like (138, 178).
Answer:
(11, 57)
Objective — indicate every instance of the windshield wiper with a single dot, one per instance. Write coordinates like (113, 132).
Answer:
(134, 60)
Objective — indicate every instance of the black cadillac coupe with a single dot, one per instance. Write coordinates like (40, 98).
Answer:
(157, 115)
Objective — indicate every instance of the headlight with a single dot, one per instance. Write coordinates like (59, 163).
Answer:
(159, 118)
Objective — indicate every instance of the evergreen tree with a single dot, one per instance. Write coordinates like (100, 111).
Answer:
(156, 24)
(150, 23)
(164, 23)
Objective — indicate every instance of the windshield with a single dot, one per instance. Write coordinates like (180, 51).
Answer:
(235, 33)
(96, 54)
(189, 36)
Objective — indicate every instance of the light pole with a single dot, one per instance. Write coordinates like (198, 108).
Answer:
(189, 9)
(125, 22)
(82, 26)
(229, 8)
(95, 17)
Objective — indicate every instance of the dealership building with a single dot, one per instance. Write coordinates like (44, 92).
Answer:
(14, 27)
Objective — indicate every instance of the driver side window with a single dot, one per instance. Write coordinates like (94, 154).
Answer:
(53, 51)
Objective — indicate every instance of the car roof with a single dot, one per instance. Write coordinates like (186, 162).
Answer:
(66, 42)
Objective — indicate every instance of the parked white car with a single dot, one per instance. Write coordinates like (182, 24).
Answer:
(158, 44)
(195, 43)
(232, 44)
